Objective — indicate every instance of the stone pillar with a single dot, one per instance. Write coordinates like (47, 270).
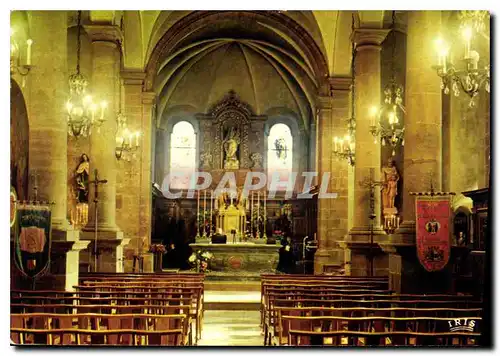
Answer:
(135, 183)
(423, 137)
(105, 86)
(48, 87)
(148, 101)
(368, 94)
(332, 213)
(48, 127)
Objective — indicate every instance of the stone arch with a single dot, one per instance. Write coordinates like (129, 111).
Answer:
(19, 142)
(197, 19)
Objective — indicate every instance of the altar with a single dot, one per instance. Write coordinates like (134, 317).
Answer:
(240, 261)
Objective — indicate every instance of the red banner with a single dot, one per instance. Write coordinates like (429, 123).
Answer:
(433, 231)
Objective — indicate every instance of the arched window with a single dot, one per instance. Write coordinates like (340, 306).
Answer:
(280, 153)
(182, 155)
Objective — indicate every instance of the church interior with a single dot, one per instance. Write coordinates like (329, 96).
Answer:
(364, 135)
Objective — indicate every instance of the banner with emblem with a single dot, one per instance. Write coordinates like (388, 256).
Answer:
(32, 239)
(433, 225)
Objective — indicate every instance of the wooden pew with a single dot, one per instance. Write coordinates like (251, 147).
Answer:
(368, 325)
(277, 329)
(385, 338)
(167, 296)
(73, 337)
(99, 322)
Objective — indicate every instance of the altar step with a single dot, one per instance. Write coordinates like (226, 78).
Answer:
(230, 300)
(228, 286)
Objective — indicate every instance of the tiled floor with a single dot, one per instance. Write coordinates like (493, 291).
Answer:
(231, 328)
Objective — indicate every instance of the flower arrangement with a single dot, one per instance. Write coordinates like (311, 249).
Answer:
(157, 248)
(200, 259)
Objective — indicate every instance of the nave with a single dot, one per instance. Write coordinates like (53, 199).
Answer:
(176, 309)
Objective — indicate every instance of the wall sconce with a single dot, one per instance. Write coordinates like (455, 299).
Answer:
(15, 59)
(127, 142)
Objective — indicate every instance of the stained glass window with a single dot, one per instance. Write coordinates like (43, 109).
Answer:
(279, 152)
(182, 155)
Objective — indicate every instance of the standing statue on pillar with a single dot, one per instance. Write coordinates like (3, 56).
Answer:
(82, 179)
(390, 186)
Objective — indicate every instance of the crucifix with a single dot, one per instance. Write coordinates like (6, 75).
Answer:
(371, 183)
(96, 183)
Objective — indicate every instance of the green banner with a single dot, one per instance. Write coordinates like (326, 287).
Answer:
(32, 239)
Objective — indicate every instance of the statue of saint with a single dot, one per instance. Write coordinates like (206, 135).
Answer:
(230, 144)
(206, 160)
(242, 200)
(257, 160)
(82, 179)
(390, 187)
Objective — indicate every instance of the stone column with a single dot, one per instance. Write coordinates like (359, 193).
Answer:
(368, 94)
(136, 184)
(332, 213)
(105, 86)
(48, 87)
(423, 137)
(48, 127)
(148, 101)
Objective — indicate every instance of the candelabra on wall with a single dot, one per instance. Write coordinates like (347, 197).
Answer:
(472, 75)
(392, 108)
(127, 142)
(16, 67)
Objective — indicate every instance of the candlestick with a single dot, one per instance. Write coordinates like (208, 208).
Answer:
(258, 214)
(251, 214)
(29, 42)
(198, 213)
(211, 208)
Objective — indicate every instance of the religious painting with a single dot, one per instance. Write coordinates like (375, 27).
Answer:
(32, 239)
(433, 232)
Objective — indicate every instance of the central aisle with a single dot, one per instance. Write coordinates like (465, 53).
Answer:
(232, 318)
(231, 328)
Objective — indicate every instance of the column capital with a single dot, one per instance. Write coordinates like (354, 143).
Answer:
(104, 33)
(369, 36)
(148, 97)
(133, 77)
(324, 102)
(332, 84)
(340, 83)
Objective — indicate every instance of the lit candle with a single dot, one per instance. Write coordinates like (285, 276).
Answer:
(265, 207)
(103, 108)
(211, 205)
(29, 42)
(467, 33)
(137, 134)
(335, 142)
(251, 214)
(198, 205)
(258, 206)
(205, 203)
